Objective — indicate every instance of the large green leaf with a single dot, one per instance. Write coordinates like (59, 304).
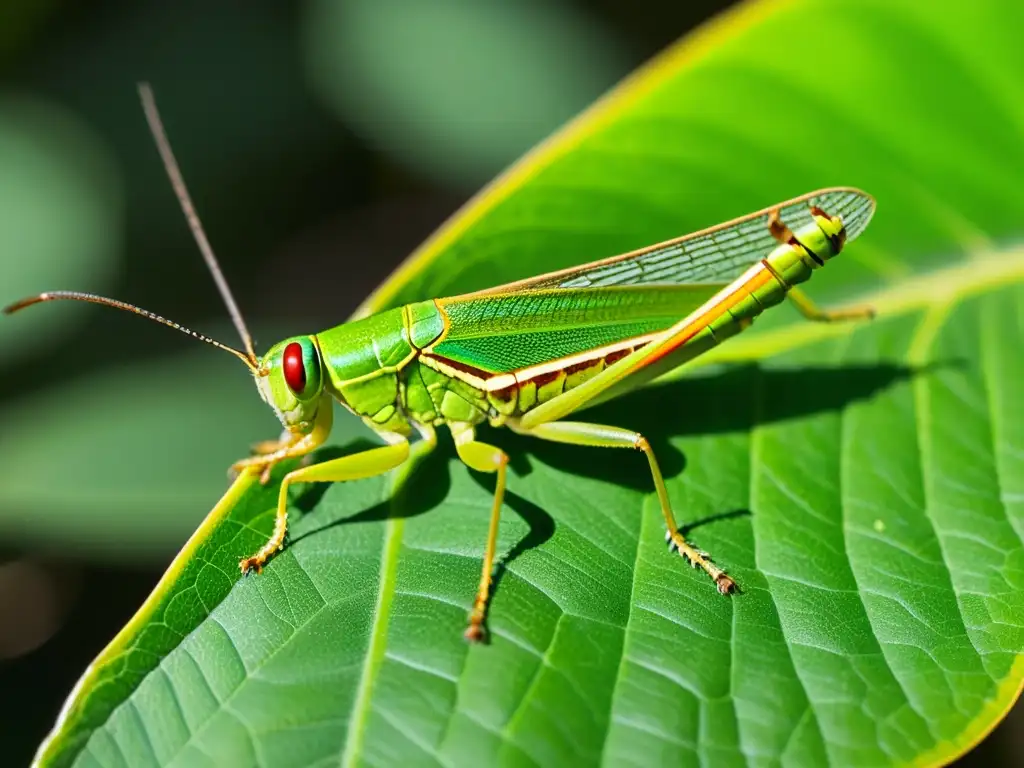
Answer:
(864, 484)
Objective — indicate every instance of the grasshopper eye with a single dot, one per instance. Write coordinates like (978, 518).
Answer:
(294, 368)
(300, 368)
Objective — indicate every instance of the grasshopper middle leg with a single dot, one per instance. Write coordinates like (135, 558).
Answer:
(483, 458)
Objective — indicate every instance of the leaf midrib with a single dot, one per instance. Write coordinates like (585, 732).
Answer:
(375, 651)
(645, 516)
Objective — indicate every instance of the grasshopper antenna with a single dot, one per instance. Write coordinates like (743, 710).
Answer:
(163, 145)
(125, 306)
(170, 164)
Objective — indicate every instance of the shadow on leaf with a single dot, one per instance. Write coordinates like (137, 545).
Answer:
(734, 400)
(424, 489)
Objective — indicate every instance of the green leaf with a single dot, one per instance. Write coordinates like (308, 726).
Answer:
(863, 483)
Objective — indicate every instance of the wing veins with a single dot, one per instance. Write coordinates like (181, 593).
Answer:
(714, 255)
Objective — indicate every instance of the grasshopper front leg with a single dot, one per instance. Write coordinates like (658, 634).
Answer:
(370, 463)
(261, 452)
(291, 445)
(375, 461)
(300, 445)
(266, 447)
(267, 453)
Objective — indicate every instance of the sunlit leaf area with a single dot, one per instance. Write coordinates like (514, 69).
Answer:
(862, 482)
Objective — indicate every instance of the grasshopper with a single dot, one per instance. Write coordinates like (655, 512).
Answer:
(525, 355)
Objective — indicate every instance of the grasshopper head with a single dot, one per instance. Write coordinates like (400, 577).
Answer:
(290, 380)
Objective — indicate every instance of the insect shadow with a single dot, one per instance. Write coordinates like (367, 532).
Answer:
(731, 401)
(735, 399)
(424, 489)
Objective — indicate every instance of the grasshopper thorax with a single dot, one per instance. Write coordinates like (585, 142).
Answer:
(290, 380)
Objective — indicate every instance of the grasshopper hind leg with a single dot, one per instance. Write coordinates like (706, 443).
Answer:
(601, 436)
(815, 314)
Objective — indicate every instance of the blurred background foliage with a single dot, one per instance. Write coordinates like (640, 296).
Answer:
(322, 141)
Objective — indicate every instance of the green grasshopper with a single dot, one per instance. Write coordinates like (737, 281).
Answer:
(523, 355)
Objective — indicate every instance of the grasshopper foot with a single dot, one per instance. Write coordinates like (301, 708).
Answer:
(265, 447)
(254, 563)
(267, 454)
(476, 632)
(725, 584)
(265, 474)
(272, 547)
(264, 466)
(255, 464)
(698, 558)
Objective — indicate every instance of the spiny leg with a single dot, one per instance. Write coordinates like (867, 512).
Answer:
(375, 461)
(483, 458)
(601, 436)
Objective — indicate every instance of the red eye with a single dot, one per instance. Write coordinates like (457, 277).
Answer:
(294, 368)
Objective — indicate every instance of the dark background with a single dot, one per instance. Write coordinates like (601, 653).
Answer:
(313, 186)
